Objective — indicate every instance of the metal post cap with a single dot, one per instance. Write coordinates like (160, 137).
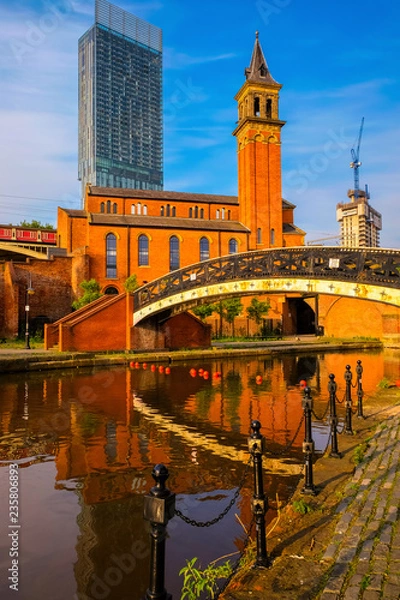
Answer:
(160, 475)
(256, 426)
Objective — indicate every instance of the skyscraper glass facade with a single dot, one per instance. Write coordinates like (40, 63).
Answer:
(120, 102)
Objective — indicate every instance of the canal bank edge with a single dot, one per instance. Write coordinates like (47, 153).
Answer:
(21, 360)
(327, 553)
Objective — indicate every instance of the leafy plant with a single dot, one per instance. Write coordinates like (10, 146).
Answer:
(258, 310)
(228, 309)
(91, 291)
(196, 581)
(302, 507)
(384, 383)
(365, 581)
(131, 284)
(359, 452)
(36, 224)
(204, 310)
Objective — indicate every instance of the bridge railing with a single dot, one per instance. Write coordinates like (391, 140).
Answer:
(367, 265)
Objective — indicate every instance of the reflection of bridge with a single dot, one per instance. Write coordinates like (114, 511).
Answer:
(365, 273)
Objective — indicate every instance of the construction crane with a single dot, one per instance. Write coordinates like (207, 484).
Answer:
(356, 164)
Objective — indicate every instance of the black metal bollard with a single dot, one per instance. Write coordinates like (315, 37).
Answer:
(348, 376)
(260, 502)
(308, 444)
(360, 392)
(159, 508)
(333, 417)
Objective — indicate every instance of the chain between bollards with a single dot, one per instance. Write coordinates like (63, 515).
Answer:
(360, 392)
(348, 376)
(159, 508)
(333, 417)
(260, 502)
(308, 444)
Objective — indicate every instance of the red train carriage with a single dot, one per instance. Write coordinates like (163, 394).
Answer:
(9, 233)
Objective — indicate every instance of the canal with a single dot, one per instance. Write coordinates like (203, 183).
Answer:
(83, 444)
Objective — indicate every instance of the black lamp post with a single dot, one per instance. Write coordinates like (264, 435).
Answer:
(29, 292)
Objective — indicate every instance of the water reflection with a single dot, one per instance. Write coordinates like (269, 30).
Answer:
(86, 442)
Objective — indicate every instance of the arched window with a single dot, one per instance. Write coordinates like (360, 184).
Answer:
(162, 211)
(143, 251)
(272, 237)
(139, 208)
(173, 211)
(102, 207)
(196, 212)
(115, 208)
(168, 210)
(108, 206)
(173, 253)
(202, 213)
(259, 236)
(217, 213)
(204, 248)
(256, 107)
(222, 213)
(145, 209)
(269, 108)
(190, 212)
(111, 291)
(111, 255)
(133, 209)
(229, 215)
(233, 246)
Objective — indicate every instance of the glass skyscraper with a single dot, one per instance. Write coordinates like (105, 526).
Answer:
(120, 102)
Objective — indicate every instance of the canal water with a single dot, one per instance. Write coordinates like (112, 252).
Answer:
(83, 444)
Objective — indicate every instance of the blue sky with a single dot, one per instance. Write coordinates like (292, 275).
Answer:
(337, 61)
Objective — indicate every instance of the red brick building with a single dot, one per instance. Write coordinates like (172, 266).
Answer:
(120, 232)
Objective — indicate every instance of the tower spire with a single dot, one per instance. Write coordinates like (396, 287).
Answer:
(258, 70)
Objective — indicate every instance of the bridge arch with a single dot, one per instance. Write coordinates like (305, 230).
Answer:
(368, 274)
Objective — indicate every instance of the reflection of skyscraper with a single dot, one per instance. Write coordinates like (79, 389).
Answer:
(120, 102)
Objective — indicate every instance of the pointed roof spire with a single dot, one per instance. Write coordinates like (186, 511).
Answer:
(258, 70)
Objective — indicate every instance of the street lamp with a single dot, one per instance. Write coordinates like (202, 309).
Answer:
(29, 292)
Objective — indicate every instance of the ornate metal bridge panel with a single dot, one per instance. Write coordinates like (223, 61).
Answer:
(368, 273)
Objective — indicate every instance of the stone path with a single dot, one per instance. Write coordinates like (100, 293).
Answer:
(365, 548)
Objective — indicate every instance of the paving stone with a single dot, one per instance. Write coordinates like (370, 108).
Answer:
(329, 596)
(375, 582)
(386, 534)
(391, 592)
(362, 569)
(352, 593)
(330, 552)
(371, 595)
(394, 578)
(346, 555)
(380, 565)
(334, 584)
(395, 555)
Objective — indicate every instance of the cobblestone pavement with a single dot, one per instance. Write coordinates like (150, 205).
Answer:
(365, 548)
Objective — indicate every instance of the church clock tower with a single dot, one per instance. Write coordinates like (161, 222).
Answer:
(258, 135)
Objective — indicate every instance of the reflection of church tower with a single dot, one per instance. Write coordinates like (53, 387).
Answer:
(258, 134)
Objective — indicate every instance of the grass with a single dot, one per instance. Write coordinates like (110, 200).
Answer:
(19, 343)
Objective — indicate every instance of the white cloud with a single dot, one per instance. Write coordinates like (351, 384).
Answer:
(180, 60)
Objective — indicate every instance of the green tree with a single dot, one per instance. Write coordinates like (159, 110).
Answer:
(230, 309)
(258, 310)
(131, 284)
(36, 224)
(91, 291)
(204, 310)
